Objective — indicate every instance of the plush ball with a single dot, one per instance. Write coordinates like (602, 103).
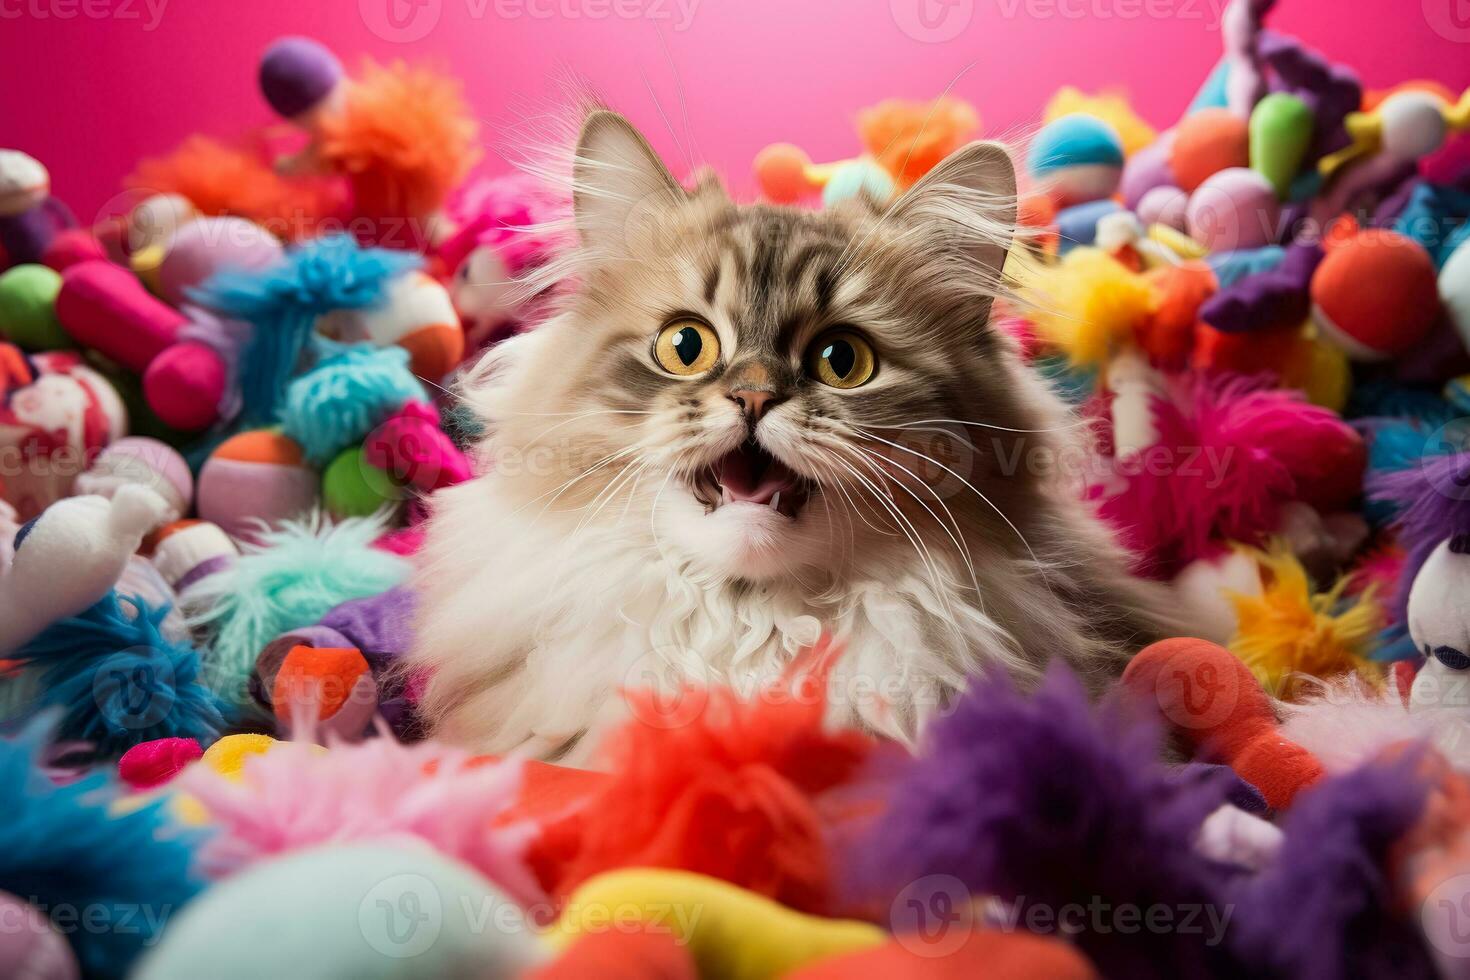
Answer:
(417, 314)
(28, 308)
(1078, 157)
(150, 764)
(24, 182)
(1412, 124)
(1454, 289)
(227, 756)
(155, 219)
(329, 689)
(202, 247)
(368, 911)
(1232, 210)
(1281, 130)
(1077, 225)
(856, 177)
(104, 306)
(351, 487)
(139, 459)
(1147, 169)
(186, 552)
(255, 477)
(780, 170)
(1164, 205)
(30, 946)
(1207, 142)
(71, 246)
(297, 74)
(185, 384)
(1375, 294)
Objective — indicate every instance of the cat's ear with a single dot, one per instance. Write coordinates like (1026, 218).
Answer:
(968, 201)
(615, 176)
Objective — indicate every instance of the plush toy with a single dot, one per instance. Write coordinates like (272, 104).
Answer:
(253, 480)
(1375, 293)
(1078, 158)
(153, 763)
(29, 216)
(416, 314)
(1281, 131)
(373, 910)
(344, 396)
(204, 246)
(1454, 289)
(147, 462)
(28, 308)
(187, 552)
(103, 306)
(1235, 208)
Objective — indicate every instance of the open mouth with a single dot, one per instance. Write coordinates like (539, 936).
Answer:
(753, 476)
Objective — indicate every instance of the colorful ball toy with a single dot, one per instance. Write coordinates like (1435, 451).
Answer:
(253, 478)
(1375, 295)
(1078, 158)
(1232, 210)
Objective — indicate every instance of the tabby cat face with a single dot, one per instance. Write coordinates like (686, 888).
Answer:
(748, 385)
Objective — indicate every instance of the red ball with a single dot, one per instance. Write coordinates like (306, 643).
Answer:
(1376, 294)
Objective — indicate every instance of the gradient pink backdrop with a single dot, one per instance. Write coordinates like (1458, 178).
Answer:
(89, 86)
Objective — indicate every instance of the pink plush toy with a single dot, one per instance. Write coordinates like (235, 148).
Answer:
(105, 307)
(204, 246)
(414, 450)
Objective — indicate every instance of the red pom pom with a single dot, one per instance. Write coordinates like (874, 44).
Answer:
(150, 764)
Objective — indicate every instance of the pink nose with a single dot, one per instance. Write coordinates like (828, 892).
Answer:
(753, 403)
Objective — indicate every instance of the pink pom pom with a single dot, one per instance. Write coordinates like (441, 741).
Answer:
(413, 449)
(184, 386)
(150, 764)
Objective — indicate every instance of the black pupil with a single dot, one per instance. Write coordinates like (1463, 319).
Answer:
(840, 356)
(687, 344)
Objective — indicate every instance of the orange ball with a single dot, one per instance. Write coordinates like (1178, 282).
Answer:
(1207, 142)
(780, 169)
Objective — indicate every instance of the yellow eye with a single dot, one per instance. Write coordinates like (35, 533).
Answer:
(687, 348)
(841, 359)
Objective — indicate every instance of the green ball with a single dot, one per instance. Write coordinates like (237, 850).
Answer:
(351, 487)
(28, 308)
(1281, 128)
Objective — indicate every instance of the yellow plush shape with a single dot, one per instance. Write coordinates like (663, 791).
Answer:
(732, 934)
(227, 756)
(1111, 107)
(1087, 305)
(1287, 630)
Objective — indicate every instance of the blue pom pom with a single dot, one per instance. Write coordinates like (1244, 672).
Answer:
(283, 301)
(118, 681)
(338, 402)
(110, 879)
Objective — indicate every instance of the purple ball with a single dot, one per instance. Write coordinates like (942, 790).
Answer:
(1147, 169)
(296, 73)
(1235, 209)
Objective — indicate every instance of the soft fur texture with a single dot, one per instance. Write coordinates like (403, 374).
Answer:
(582, 561)
(347, 393)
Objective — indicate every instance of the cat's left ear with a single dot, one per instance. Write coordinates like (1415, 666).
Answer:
(616, 175)
(969, 201)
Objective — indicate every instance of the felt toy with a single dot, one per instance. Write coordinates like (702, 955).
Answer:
(339, 401)
(401, 137)
(1164, 205)
(298, 796)
(417, 314)
(1174, 499)
(1028, 801)
(284, 302)
(414, 451)
(1077, 225)
(29, 216)
(1211, 698)
(375, 911)
(1454, 289)
(217, 178)
(1234, 208)
(329, 689)
(69, 558)
(105, 307)
(28, 308)
(1111, 107)
(30, 946)
(227, 756)
(1407, 125)
(1287, 630)
(201, 247)
(255, 479)
(69, 247)
(1089, 305)
(1375, 294)
(187, 552)
(119, 681)
(736, 934)
(749, 774)
(290, 578)
(151, 764)
(144, 461)
(149, 225)
(1281, 130)
(1078, 158)
(353, 488)
(1272, 298)
(955, 952)
(1205, 143)
(1146, 169)
(903, 141)
(66, 849)
(651, 954)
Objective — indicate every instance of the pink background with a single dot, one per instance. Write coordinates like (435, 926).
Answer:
(88, 87)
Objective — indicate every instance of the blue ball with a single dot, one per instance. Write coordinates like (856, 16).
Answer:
(854, 177)
(1075, 140)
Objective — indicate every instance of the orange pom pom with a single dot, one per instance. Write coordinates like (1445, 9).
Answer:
(219, 179)
(1207, 142)
(909, 138)
(780, 169)
(719, 786)
(405, 138)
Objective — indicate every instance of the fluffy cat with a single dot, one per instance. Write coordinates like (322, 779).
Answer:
(747, 425)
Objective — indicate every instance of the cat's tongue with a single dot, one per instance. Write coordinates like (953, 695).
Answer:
(754, 475)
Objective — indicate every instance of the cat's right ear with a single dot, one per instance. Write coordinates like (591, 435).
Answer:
(616, 176)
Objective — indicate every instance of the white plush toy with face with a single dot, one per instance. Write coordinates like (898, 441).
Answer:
(1439, 623)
